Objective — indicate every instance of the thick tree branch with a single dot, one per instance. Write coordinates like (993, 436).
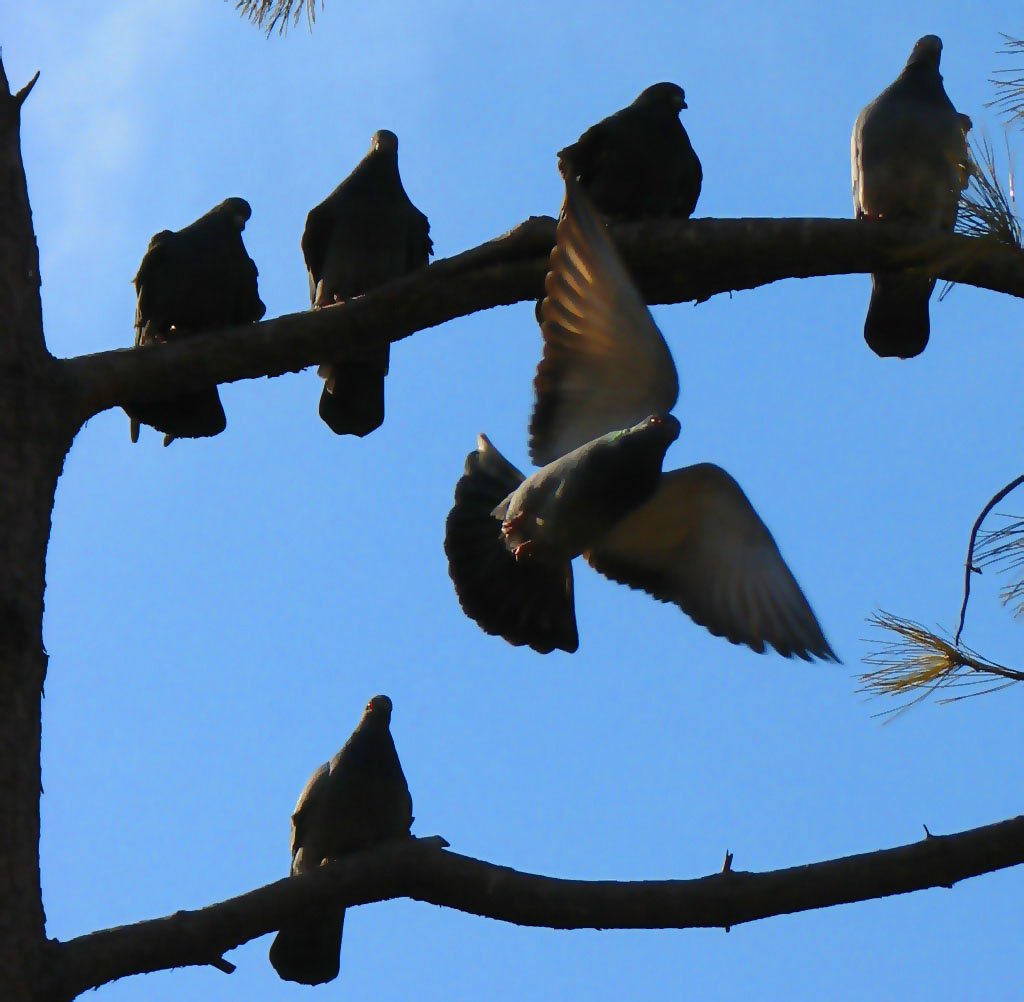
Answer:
(419, 869)
(673, 261)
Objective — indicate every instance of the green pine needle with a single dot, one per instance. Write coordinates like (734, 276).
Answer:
(1003, 548)
(1009, 82)
(987, 209)
(269, 14)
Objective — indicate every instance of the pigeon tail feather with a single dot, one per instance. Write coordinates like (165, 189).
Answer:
(309, 952)
(352, 401)
(897, 324)
(191, 415)
(527, 602)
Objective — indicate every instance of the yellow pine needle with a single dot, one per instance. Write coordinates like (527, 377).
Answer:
(918, 660)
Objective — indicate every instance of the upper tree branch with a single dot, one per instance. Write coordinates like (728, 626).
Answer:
(673, 261)
(418, 869)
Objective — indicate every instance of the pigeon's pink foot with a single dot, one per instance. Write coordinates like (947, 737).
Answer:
(523, 550)
(510, 525)
(333, 301)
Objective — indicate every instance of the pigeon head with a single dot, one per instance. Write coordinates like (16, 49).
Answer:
(663, 427)
(378, 710)
(667, 94)
(656, 433)
(237, 210)
(926, 52)
(384, 141)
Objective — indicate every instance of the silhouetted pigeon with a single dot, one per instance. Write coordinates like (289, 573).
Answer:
(639, 162)
(601, 425)
(199, 278)
(365, 233)
(910, 163)
(357, 800)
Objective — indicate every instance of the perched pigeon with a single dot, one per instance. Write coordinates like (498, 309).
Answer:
(601, 425)
(355, 801)
(910, 163)
(199, 278)
(365, 233)
(639, 162)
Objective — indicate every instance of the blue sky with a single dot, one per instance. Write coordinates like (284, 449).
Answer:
(218, 612)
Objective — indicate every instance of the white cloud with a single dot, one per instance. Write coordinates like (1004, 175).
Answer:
(90, 107)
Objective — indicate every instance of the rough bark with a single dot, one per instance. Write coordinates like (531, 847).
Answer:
(419, 869)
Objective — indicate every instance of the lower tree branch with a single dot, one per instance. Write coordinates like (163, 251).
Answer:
(420, 869)
(673, 261)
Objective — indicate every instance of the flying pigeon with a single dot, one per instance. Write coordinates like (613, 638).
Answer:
(910, 163)
(357, 800)
(364, 234)
(600, 429)
(199, 278)
(639, 162)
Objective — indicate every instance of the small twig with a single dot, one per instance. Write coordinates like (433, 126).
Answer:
(223, 965)
(727, 868)
(969, 567)
(19, 98)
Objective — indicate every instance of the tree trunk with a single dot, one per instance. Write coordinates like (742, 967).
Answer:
(36, 428)
(30, 462)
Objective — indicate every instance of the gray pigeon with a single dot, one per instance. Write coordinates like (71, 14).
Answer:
(601, 428)
(639, 162)
(364, 234)
(199, 278)
(910, 163)
(357, 800)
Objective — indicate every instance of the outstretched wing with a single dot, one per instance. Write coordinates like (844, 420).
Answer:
(699, 543)
(605, 364)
